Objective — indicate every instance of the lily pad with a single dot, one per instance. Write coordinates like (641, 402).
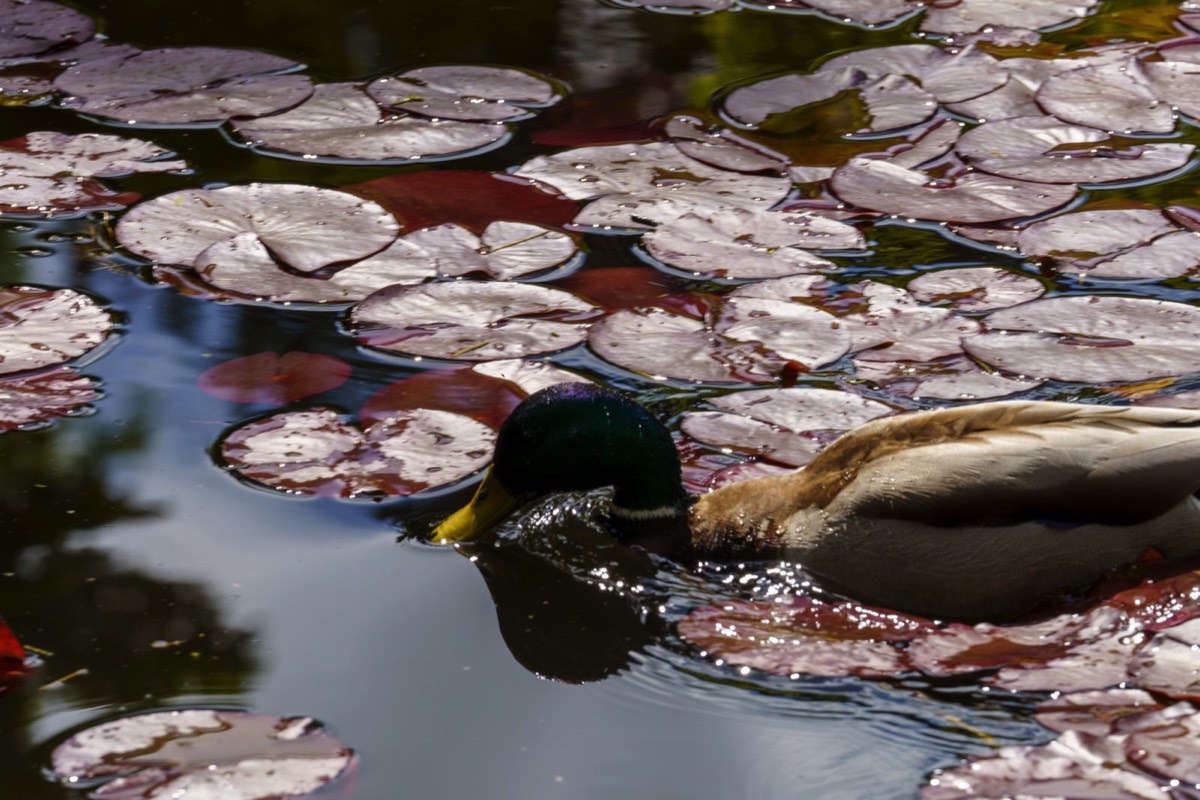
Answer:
(949, 378)
(12, 657)
(639, 186)
(967, 16)
(340, 122)
(304, 227)
(972, 197)
(273, 378)
(204, 752)
(861, 12)
(722, 148)
(471, 321)
(738, 243)
(1119, 96)
(53, 173)
(465, 92)
(1091, 339)
(314, 452)
(975, 288)
(28, 27)
(46, 327)
(183, 86)
(1036, 149)
(1114, 244)
(41, 398)
(504, 251)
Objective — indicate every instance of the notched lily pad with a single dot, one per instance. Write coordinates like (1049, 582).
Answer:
(504, 251)
(200, 752)
(29, 27)
(975, 288)
(184, 86)
(471, 320)
(340, 122)
(738, 243)
(1137, 243)
(46, 327)
(54, 173)
(41, 398)
(949, 378)
(273, 378)
(1091, 339)
(314, 452)
(466, 92)
(967, 16)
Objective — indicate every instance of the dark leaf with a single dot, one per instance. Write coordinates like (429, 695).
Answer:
(28, 27)
(274, 379)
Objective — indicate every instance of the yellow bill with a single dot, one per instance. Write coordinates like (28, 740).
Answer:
(491, 504)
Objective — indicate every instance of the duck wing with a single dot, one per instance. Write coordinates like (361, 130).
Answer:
(999, 463)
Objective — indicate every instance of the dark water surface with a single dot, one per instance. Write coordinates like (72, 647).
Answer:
(127, 553)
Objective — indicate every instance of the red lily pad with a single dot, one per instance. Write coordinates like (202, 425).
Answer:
(1091, 339)
(1043, 149)
(975, 288)
(197, 752)
(182, 86)
(28, 27)
(313, 452)
(304, 227)
(43, 397)
(628, 287)
(54, 173)
(473, 200)
(1115, 243)
(471, 320)
(273, 378)
(465, 92)
(971, 197)
(46, 327)
(10, 646)
(340, 122)
(967, 16)
(738, 243)
(639, 186)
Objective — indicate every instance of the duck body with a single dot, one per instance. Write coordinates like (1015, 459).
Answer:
(971, 512)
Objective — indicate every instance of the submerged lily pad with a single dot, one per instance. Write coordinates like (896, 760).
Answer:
(971, 197)
(201, 752)
(1092, 339)
(304, 227)
(314, 452)
(738, 243)
(471, 320)
(53, 173)
(43, 397)
(465, 92)
(182, 86)
(45, 327)
(339, 121)
(28, 27)
(273, 378)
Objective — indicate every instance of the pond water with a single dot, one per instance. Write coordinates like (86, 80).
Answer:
(151, 578)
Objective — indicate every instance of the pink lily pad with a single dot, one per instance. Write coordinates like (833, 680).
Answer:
(1117, 96)
(949, 378)
(465, 92)
(677, 6)
(1093, 712)
(314, 452)
(28, 27)
(975, 288)
(1091, 339)
(274, 379)
(340, 122)
(197, 752)
(42, 398)
(738, 243)
(966, 16)
(972, 197)
(722, 148)
(505, 250)
(471, 320)
(184, 86)
(1114, 243)
(32, 77)
(868, 13)
(46, 327)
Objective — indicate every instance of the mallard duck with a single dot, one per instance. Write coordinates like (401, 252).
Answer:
(970, 512)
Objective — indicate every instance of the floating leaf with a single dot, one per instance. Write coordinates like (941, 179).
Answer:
(951, 378)
(29, 77)
(1092, 339)
(45, 327)
(972, 197)
(339, 121)
(28, 27)
(1115, 96)
(677, 6)
(465, 92)
(204, 752)
(471, 321)
(1114, 243)
(473, 200)
(1093, 712)
(966, 16)
(643, 185)
(628, 287)
(44, 397)
(52, 173)
(303, 226)
(975, 288)
(862, 12)
(182, 86)
(504, 251)
(314, 452)
(721, 148)
(738, 243)
(274, 379)
(1036, 149)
